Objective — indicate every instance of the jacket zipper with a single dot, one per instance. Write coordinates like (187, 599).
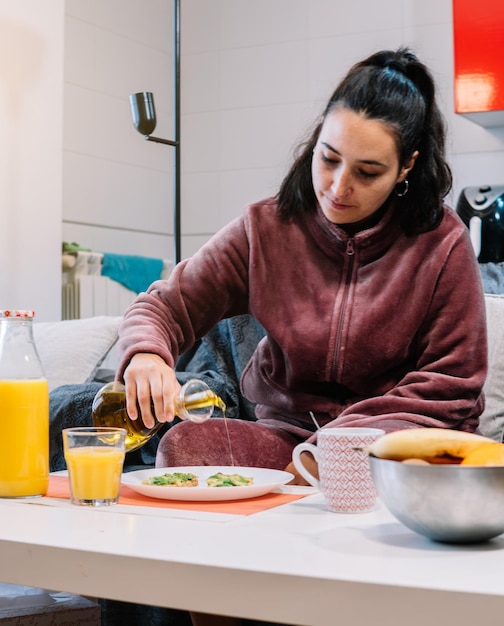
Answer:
(350, 252)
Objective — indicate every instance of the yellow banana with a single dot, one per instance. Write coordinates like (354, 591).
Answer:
(435, 445)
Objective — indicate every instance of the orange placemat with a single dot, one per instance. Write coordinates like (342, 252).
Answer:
(59, 488)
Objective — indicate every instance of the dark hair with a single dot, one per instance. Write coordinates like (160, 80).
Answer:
(392, 86)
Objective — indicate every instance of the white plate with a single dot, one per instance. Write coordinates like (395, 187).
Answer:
(265, 481)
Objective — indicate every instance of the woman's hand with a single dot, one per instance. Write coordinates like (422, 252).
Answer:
(310, 464)
(149, 379)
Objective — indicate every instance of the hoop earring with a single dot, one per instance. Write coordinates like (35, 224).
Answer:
(402, 193)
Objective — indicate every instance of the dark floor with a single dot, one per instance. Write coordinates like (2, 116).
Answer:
(126, 614)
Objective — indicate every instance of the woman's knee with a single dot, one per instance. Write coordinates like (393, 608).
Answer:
(225, 442)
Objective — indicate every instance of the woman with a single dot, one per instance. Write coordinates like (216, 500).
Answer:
(365, 282)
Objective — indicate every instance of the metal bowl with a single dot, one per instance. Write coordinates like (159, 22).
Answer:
(447, 503)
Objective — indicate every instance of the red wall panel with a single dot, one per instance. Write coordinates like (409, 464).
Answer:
(478, 29)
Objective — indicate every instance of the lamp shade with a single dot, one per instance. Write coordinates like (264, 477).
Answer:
(143, 112)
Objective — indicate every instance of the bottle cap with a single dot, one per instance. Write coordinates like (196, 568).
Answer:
(16, 313)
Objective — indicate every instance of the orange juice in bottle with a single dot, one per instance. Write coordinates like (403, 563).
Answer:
(24, 410)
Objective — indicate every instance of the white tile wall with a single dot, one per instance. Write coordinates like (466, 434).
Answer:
(266, 22)
(262, 71)
(255, 74)
(31, 95)
(329, 18)
(426, 12)
(118, 188)
(148, 21)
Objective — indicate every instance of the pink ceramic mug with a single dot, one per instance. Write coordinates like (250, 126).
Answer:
(345, 475)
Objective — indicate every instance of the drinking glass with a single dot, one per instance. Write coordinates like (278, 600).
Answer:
(94, 458)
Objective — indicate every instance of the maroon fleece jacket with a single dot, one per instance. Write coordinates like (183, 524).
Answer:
(376, 329)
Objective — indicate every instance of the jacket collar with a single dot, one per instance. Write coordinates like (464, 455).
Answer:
(369, 243)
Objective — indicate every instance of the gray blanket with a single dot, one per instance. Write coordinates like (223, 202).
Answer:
(492, 275)
(218, 359)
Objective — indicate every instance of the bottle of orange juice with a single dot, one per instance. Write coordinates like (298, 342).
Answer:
(24, 409)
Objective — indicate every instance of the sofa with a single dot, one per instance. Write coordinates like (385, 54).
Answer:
(79, 357)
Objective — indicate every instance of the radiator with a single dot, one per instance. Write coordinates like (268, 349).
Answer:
(86, 293)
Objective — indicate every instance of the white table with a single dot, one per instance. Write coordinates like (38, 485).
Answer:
(296, 564)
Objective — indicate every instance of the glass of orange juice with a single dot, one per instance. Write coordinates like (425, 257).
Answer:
(94, 456)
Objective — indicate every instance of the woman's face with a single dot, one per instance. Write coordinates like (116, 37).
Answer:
(355, 166)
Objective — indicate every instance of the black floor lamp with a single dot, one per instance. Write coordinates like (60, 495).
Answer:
(143, 113)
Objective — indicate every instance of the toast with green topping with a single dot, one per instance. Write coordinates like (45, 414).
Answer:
(177, 479)
(228, 480)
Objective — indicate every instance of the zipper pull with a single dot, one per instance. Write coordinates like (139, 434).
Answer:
(350, 250)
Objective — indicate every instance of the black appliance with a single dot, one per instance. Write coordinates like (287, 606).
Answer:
(482, 210)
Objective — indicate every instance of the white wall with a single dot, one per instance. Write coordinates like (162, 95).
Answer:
(118, 188)
(255, 75)
(31, 108)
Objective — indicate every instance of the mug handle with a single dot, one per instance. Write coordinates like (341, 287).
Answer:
(298, 464)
